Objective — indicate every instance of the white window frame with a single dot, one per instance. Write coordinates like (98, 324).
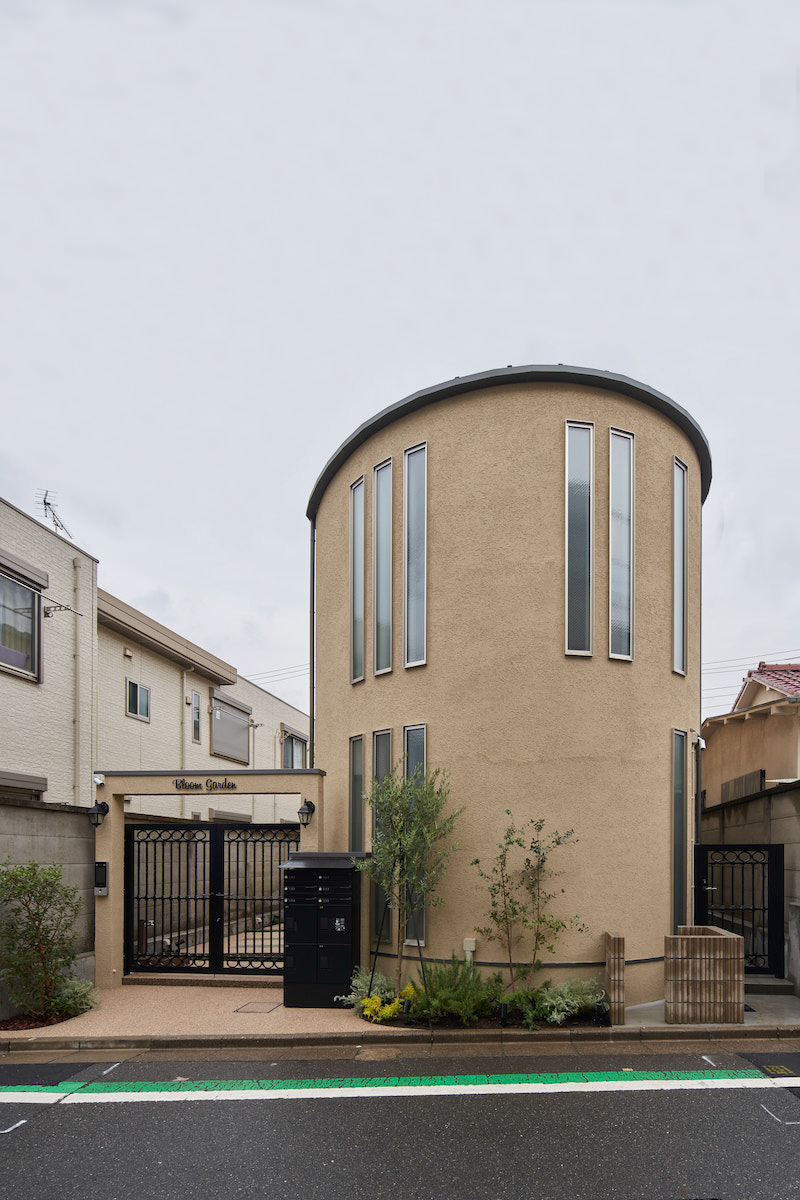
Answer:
(35, 675)
(140, 687)
(622, 433)
(386, 464)
(417, 662)
(358, 483)
(197, 709)
(409, 941)
(680, 569)
(567, 650)
(292, 736)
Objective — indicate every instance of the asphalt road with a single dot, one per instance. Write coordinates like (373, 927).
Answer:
(738, 1138)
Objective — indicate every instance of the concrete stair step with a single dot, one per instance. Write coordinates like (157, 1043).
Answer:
(767, 985)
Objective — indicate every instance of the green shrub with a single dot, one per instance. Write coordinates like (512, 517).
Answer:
(455, 989)
(556, 1003)
(75, 997)
(360, 989)
(37, 941)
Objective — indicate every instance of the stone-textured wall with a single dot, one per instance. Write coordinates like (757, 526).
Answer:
(38, 832)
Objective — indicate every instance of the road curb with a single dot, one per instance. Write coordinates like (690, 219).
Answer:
(513, 1038)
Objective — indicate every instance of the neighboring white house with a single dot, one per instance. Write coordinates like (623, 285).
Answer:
(88, 683)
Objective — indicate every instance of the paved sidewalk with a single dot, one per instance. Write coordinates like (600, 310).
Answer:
(140, 1017)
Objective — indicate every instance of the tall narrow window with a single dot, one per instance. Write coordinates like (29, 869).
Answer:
(414, 750)
(195, 716)
(357, 581)
(414, 554)
(580, 549)
(382, 753)
(356, 793)
(679, 598)
(678, 828)
(620, 569)
(381, 767)
(382, 569)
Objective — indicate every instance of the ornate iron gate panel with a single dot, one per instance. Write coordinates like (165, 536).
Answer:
(201, 897)
(740, 888)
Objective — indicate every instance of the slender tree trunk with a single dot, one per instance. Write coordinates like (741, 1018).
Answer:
(401, 930)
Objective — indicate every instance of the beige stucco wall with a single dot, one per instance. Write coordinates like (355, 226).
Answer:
(48, 726)
(582, 742)
(762, 740)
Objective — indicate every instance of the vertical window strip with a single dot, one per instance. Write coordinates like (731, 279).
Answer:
(356, 794)
(195, 716)
(680, 576)
(579, 537)
(357, 581)
(414, 758)
(678, 828)
(381, 767)
(414, 554)
(621, 542)
(382, 567)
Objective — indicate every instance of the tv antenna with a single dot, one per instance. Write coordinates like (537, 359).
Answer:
(47, 501)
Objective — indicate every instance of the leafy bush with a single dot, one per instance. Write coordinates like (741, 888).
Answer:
(555, 1003)
(359, 988)
(376, 1010)
(455, 989)
(37, 941)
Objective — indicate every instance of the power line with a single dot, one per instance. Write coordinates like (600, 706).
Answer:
(757, 658)
(277, 671)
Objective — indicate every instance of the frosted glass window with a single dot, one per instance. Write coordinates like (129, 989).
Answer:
(381, 767)
(679, 599)
(580, 512)
(383, 567)
(195, 716)
(415, 565)
(620, 601)
(678, 828)
(357, 581)
(382, 750)
(356, 794)
(414, 749)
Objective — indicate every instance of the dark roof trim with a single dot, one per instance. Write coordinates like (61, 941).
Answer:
(504, 375)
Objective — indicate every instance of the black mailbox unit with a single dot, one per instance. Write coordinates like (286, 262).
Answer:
(321, 927)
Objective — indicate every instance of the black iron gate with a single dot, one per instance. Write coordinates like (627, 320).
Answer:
(740, 888)
(201, 897)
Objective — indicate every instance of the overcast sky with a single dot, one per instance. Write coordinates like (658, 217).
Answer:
(234, 229)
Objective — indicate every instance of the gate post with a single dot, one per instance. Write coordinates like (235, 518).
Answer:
(109, 911)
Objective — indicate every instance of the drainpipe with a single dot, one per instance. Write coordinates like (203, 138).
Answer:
(76, 713)
(184, 706)
(311, 650)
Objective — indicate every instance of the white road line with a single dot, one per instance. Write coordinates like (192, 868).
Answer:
(476, 1089)
(574, 1087)
(11, 1128)
(110, 1069)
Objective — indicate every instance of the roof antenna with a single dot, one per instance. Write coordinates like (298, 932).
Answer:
(50, 513)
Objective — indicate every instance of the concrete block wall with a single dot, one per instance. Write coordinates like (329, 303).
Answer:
(37, 832)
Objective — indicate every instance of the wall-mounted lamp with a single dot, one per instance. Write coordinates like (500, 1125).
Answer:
(98, 813)
(306, 812)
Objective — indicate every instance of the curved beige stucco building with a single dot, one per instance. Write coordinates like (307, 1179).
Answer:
(478, 605)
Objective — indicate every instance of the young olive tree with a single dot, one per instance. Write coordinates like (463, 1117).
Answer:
(518, 883)
(409, 842)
